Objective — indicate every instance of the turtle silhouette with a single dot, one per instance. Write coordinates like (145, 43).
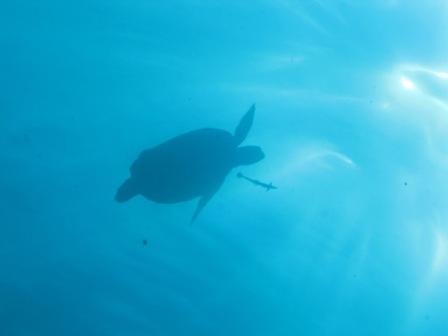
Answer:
(191, 165)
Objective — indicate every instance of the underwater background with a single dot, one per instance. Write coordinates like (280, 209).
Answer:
(352, 114)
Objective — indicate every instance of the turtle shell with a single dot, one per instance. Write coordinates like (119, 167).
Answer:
(186, 166)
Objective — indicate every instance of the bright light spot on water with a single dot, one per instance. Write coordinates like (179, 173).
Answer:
(441, 253)
(321, 155)
(417, 68)
(442, 75)
(315, 158)
(385, 105)
(407, 83)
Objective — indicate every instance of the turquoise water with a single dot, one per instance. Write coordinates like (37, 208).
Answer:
(352, 114)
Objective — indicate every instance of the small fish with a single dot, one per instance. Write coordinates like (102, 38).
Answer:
(267, 186)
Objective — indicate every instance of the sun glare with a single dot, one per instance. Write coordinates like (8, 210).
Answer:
(441, 253)
(407, 83)
(442, 75)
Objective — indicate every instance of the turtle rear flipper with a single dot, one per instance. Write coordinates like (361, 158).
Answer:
(126, 191)
(244, 125)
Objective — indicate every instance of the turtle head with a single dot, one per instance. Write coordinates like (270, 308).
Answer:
(248, 155)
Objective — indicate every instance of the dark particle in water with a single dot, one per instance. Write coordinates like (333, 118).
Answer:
(144, 242)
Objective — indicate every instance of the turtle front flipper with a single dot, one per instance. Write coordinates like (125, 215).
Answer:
(201, 204)
(126, 191)
(204, 200)
(244, 126)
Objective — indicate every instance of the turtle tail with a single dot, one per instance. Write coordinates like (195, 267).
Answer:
(126, 191)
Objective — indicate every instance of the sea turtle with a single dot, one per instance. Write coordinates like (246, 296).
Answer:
(190, 165)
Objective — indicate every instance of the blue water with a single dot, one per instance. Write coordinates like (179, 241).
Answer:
(352, 114)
